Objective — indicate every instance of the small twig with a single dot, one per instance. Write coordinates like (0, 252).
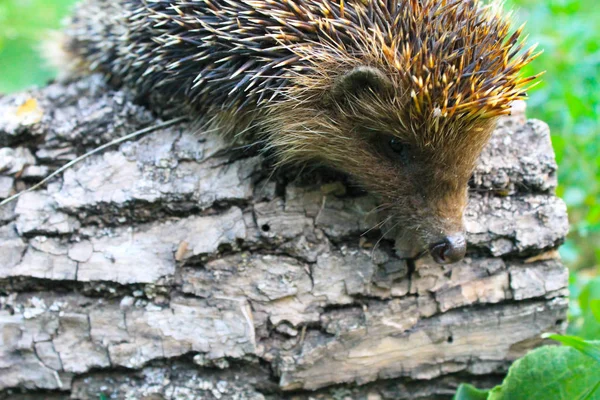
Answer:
(92, 152)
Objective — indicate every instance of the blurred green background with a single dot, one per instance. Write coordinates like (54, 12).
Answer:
(568, 100)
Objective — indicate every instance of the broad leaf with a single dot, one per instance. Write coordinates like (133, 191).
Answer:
(551, 373)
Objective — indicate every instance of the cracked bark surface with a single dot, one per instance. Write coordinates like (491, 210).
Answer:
(172, 267)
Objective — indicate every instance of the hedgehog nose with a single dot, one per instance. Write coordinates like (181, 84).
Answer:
(450, 250)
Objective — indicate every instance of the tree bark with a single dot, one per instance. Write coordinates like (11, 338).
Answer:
(170, 267)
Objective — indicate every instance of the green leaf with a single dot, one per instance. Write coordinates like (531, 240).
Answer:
(551, 373)
(470, 392)
(593, 392)
(589, 348)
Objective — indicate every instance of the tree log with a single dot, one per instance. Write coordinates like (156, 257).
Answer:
(173, 267)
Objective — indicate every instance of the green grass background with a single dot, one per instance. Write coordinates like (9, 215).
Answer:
(568, 100)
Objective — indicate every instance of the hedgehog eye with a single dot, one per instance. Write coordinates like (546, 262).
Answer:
(399, 150)
(397, 146)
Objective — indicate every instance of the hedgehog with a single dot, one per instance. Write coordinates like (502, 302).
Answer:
(400, 95)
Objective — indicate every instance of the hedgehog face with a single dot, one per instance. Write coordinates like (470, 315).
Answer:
(420, 167)
(425, 194)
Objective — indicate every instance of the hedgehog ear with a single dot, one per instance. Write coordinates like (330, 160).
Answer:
(359, 80)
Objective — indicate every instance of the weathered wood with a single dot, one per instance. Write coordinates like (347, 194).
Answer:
(173, 268)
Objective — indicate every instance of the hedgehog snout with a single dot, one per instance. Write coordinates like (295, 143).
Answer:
(449, 250)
